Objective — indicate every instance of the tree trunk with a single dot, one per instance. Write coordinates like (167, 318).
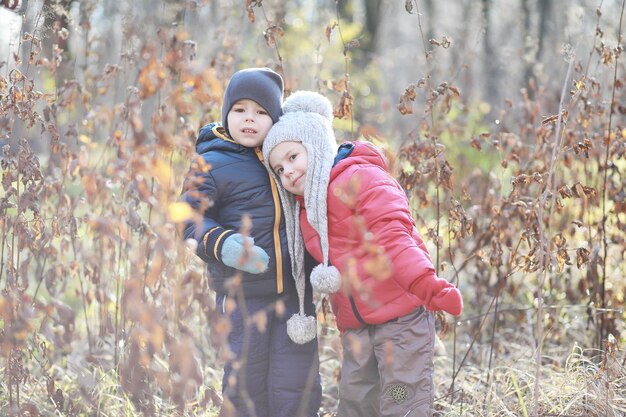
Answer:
(545, 11)
(491, 60)
(370, 25)
(528, 65)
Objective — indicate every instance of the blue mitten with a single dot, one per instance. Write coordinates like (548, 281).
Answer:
(239, 252)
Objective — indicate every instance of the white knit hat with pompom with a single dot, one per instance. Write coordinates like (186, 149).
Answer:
(307, 118)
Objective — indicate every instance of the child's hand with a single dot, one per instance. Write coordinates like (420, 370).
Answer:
(239, 252)
(449, 300)
(438, 294)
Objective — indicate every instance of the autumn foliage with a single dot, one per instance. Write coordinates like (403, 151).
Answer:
(106, 311)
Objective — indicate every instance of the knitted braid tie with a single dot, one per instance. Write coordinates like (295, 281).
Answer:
(307, 118)
(300, 327)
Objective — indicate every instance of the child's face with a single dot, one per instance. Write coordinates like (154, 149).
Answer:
(289, 161)
(248, 123)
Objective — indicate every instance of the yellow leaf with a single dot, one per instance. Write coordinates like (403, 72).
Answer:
(85, 139)
(561, 262)
(179, 212)
(162, 172)
(484, 108)
(580, 85)
(562, 258)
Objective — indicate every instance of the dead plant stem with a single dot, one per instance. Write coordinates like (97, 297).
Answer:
(493, 331)
(346, 64)
(41, 278)
(16, 257)
(278, 55)
(427, 62)
(83, 297)
(8, 372)
(118, 294)
(433, 132)
(607, 154)
(15, 254)
(474, 338)
(455, 325)
(595, 38)
(586, 209)
(546, 258)
(4, 238)
(511, 270)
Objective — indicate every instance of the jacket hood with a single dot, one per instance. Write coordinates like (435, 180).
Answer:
(214, 137)
(351, 153)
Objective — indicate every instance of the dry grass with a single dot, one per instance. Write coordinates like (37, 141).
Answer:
(581, 383)
(575, 381)
(105, 312)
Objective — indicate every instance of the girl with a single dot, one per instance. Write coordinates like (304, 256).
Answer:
(354, 218)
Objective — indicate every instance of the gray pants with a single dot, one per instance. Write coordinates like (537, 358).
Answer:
(387, 369)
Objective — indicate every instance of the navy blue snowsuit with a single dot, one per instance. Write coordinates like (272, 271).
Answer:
(275, 373)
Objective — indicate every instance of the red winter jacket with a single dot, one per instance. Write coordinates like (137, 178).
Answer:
(373, 241)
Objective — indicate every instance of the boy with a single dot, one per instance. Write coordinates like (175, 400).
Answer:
(355, 219)
(267, 374)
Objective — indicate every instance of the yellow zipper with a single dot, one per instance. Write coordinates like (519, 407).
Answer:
(277, 214)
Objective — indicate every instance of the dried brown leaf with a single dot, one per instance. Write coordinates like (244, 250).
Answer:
(249, 9)
(445, 175)
(475, 143)
(343, 109)
(405, 105)
(582, 257)
(271, 33)
(408, 6)
(562, 258)
(565, 192)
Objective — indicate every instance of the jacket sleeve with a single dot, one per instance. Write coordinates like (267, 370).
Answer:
(201, 193)
(391, 236)
(389, 248)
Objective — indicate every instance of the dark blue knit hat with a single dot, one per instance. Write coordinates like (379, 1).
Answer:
(259, 84)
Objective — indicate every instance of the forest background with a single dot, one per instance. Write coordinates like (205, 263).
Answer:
(503, 120)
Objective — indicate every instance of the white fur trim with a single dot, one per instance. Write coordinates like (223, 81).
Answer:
(310, 102)
(301, 328)
(325, 279)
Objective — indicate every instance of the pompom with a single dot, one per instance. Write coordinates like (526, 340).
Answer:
(301, 328)
(309, 101)
(325, 279)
